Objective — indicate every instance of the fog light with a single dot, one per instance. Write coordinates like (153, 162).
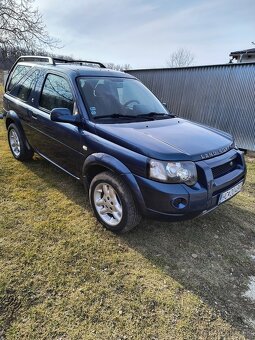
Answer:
(179, 202)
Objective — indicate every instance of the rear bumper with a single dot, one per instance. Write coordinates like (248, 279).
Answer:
(160, 198)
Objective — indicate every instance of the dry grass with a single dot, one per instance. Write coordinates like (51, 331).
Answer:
(64, 277)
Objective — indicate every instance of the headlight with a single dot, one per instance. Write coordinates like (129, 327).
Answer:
(173, 172)
(234, 145)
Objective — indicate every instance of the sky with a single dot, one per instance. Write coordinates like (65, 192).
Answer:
(145, 33)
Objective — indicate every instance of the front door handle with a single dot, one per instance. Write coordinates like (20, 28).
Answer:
(32, 114)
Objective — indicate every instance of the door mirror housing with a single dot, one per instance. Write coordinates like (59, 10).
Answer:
(64, 115)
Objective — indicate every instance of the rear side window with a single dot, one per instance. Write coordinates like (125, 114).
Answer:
(56, 92)
(24, 89)
(19, 72)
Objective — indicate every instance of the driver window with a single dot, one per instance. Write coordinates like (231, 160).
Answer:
(56, 93)
(131, 93)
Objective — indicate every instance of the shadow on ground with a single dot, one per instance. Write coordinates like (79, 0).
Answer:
(210, 256)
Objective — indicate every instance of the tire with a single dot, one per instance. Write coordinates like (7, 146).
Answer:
(18, 144)
(110, 194)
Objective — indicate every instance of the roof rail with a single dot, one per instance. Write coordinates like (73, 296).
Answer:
(41, 59)
(53, 60)
(80, 62)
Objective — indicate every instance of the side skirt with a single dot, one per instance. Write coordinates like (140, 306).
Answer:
(58, 166)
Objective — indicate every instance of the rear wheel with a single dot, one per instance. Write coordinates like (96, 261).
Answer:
(113, 203)
(18, 144)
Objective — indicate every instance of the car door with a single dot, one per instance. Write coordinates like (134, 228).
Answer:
(58, 142)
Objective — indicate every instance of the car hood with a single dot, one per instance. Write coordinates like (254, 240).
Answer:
(175, 139)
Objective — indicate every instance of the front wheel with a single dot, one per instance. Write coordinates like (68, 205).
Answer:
(113, 203)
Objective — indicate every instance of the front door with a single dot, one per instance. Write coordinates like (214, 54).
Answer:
(58, 142)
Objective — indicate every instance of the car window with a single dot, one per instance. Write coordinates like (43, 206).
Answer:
(19, 72)
(23, 89)
(109, 95)
(56, 93)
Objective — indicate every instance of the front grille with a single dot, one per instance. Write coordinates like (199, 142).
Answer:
(225, 168)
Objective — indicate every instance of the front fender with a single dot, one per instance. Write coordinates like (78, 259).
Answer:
(113, 164)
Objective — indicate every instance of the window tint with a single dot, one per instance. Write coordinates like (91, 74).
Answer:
(24, 89)
(56, 93)
(106, 96)
(17, 75)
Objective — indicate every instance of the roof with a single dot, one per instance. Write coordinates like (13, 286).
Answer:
(70, 67)
(250, 51)
(79, 71)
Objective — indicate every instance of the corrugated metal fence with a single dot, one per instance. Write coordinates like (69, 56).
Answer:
(222, 96)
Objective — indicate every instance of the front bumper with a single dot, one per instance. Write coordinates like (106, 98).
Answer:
(213, 179)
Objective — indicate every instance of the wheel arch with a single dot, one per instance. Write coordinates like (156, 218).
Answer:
(99, 162)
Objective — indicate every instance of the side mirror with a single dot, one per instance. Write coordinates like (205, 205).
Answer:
(64, 115)
(165, 104)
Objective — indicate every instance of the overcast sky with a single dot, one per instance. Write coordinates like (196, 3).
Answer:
(144, 33)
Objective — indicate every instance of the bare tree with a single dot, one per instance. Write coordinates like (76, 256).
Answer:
(9, 55)
(21, 25)
(180, 58)
(118, 67)
(126, 67)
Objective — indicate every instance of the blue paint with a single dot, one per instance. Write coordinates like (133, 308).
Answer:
(125, 146)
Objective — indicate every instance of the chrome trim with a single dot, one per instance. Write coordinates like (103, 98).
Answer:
(60, 167)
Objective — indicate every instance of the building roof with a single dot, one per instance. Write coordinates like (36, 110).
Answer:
(250, 51)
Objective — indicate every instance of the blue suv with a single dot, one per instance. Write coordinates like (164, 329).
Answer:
(106, 129)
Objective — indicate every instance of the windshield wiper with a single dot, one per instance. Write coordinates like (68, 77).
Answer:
(156, 114)
(114, 115)
(146, 116)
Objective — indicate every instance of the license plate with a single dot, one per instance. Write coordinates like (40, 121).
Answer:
(230, 192)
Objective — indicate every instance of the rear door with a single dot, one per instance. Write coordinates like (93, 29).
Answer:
(58, 142)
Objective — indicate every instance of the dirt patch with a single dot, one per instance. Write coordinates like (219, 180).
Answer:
(250, 154)
(250, 293)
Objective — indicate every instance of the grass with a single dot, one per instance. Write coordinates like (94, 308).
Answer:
(64, 277)
(1, 92)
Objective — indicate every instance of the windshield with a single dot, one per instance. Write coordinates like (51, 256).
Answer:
(119, 98)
